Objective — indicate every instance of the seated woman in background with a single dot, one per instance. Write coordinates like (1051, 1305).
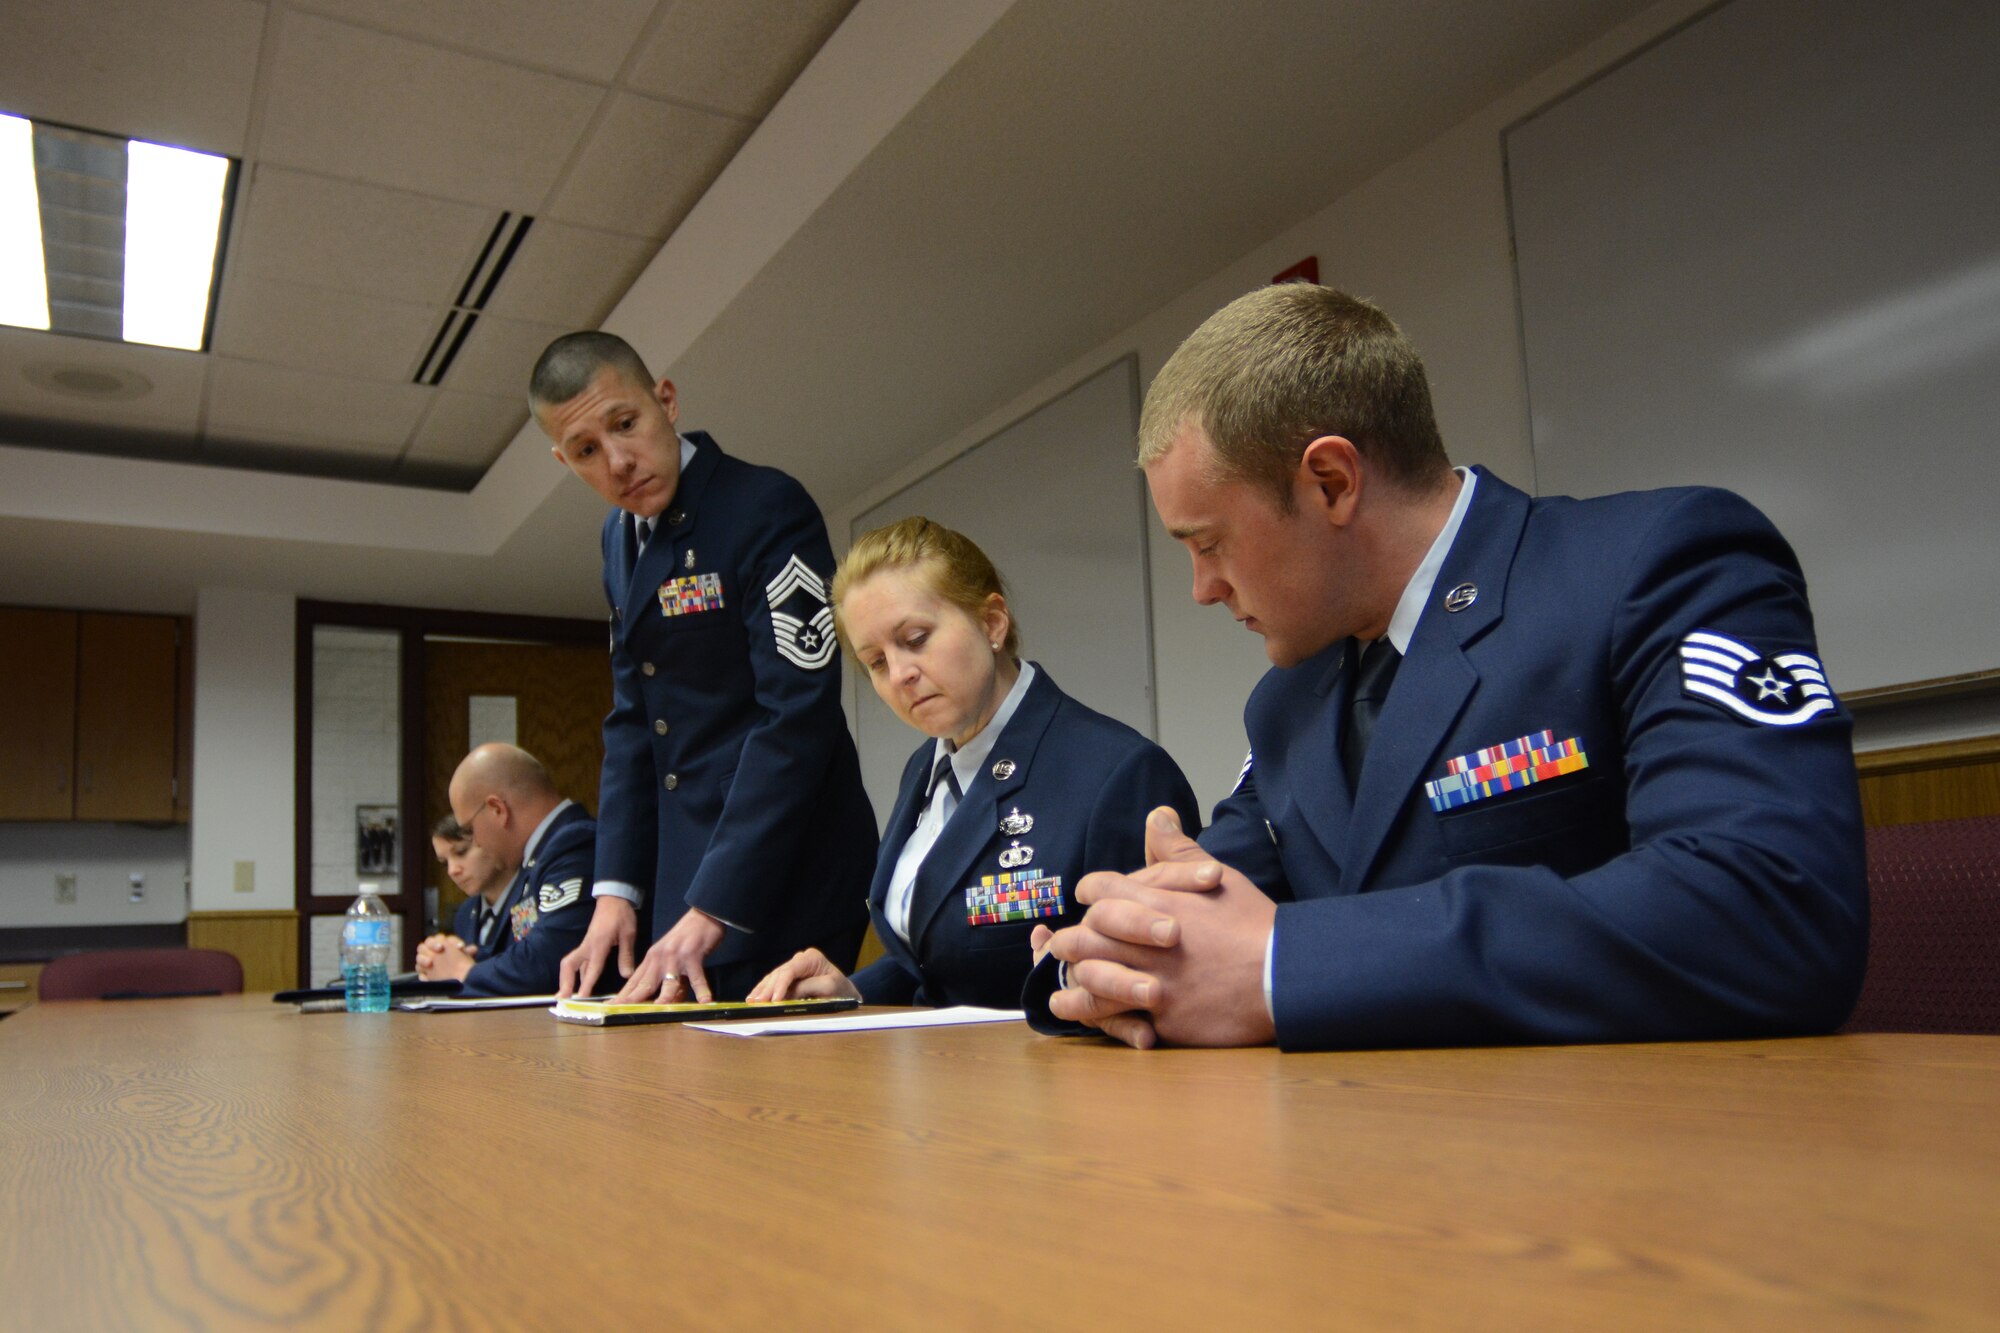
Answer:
(1020, 793)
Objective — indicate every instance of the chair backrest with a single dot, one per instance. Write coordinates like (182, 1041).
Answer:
(141, 974)
(1934, 932)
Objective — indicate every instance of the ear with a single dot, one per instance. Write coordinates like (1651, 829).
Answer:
(1329, 478)
(555, 452)
(669, 400)
(996, 619)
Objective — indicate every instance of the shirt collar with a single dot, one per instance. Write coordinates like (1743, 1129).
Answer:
(687, 450)
(1417, 593)
(535, 838)
(969, 758)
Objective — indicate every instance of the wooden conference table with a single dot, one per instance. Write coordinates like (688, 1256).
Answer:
(224, 1163)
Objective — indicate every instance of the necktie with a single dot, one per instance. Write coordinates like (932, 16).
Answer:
(945, 774)
(1372, 678)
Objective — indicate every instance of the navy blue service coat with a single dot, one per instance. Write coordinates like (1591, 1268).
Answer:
(1082, 781)
(1702, 875)
(730, 783)
(542, 917)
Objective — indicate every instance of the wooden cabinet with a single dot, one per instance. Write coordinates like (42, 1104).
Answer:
(37, 714)
(93, 722)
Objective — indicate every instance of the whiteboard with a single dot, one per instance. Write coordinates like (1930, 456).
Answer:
(1765, 254)
(1056, 502)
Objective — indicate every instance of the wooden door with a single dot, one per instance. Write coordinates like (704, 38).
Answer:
(37, 713)
(127, 698)
(561, 693)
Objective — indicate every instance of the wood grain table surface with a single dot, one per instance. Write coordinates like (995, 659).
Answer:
(227, 1163)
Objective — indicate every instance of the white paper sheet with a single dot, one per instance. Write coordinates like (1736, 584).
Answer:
(920, 1018)
(450, 1004)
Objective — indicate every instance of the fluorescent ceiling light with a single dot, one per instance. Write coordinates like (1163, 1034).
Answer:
(173, 213)
(24, 287)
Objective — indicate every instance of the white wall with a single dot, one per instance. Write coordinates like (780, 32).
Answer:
(103, 857)
(1428, 240)
(243, 778)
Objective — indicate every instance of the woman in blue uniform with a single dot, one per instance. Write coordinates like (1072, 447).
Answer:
(1020, 792)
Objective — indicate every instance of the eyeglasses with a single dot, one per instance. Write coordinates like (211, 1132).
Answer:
(465, 825)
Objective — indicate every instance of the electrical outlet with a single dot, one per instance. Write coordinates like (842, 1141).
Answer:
(138, 886)
(65, 888)
(246, 877)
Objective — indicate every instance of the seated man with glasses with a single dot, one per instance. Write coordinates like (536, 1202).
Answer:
(508, 813)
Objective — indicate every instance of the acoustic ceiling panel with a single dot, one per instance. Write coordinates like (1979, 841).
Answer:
(341, 333)
(586, 38)
(570, 275)
(249, 401)
(645, 165)
(735, 55)
(357, 238)
(370, 107)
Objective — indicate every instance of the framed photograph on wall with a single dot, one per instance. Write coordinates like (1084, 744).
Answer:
(374, 839)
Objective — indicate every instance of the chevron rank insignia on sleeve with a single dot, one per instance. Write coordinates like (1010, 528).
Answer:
(801, 618)
(1775, 691)
(556, 896)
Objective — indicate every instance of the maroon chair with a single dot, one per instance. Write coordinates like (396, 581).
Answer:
(141, 974)
(1934, 933)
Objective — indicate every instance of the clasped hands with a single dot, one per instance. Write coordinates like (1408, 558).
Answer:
(445, 958)
(1173, 953)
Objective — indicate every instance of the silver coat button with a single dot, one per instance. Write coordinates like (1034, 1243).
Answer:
(659, 726)
(646, 668)
(673, 780)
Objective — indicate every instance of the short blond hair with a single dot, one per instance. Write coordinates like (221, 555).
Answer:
(1276, 369)
(950, 562)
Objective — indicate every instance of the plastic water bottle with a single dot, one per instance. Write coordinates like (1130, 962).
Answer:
(364, 954)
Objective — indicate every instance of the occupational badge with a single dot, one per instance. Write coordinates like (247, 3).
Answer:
(1016, 856)
(1002, 770)
(1013, 824)
(690, 558)
(1774, 691)
(801, 618)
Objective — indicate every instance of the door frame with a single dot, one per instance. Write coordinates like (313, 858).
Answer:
(411, 624)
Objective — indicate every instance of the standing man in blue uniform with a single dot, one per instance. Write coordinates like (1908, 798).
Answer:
(1524, 770)
(509, 811)
(731, 807)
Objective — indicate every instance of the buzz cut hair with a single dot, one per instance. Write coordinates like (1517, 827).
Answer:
(568, 365)
(1276, 369)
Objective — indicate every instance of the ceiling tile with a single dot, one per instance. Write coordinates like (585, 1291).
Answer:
(32, 366)
(315, 328)
(300, 459)
(358, 238)
(569, 275)
(645, 166)
(735, 55)
(255, 403)
(498, 356)
(361, 105)
(179, 74)
(587, 38)
(468, 428)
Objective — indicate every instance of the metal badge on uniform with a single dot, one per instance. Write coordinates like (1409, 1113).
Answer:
(1002, 770)
(555, 897)
(696, 592)
(801, 616)
(1012, 824)
(1018, 895)
(1777, 691)
(690, 558)
(521, 918)
(1464, 595)
(1497, 768)
(1016, 856)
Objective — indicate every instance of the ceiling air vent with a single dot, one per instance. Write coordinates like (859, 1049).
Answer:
(505, 239)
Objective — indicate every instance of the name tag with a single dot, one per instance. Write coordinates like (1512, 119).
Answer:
(696, 592)
(1018, 895)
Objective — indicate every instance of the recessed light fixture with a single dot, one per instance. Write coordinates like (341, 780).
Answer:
(108, 237)
(24, 288)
